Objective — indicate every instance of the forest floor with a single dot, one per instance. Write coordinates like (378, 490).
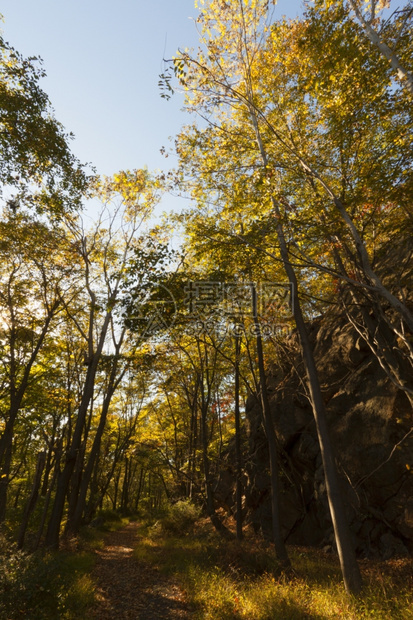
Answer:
(149, 571)
(176, 568)
(128, 588)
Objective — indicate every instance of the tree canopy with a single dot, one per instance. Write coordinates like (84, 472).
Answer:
(37, 167)
(129, 369)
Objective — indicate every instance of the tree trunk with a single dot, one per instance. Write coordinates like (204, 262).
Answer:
(5, 472)
(31, 503)
(124, 501)
(16, 398)
(140, 486)
(193, 447)
(53, 530)
(344, 540)
(238, 452)
(210, 507)
(279, 544)
(75, 520)
(392, 57)
(343, 537)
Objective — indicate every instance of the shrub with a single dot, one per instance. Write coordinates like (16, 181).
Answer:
(109, 515)
(40, 586)
(180, 517)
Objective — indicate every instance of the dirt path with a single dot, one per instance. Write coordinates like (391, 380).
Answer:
(128, 589)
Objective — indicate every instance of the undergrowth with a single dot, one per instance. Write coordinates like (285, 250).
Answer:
(51, 586)
(241, 580)
(222, 579)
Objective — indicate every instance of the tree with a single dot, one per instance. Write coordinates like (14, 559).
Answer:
(104, 254)
(396, 28)
(34, 266)
(199, 360)
(37, 168)
(224, 83)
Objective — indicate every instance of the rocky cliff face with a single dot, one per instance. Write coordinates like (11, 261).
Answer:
(369, 418)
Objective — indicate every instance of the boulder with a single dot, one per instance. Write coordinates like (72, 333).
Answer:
(369, 420)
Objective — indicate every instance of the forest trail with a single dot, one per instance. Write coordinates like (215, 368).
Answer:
(129, 589)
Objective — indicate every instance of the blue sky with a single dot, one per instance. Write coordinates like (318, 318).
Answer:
(103, 59)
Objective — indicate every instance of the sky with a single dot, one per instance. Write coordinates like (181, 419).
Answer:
(103, 60)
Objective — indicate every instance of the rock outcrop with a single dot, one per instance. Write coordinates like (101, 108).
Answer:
(369, 420)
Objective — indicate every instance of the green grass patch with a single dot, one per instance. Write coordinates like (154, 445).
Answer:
(233, 580)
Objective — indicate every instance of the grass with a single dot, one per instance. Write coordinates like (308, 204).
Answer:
(222, 579)
(51, 586)
(232, 580)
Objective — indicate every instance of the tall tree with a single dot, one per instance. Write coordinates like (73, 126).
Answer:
(34, 266)
(224, 84)
(104, 253)
(391, 35)
(37, 168)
